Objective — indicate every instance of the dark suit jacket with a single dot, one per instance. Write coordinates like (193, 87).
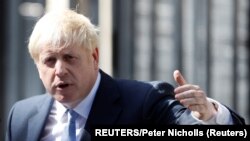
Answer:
(117, 102)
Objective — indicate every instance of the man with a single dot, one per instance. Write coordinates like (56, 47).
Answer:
(63, 46)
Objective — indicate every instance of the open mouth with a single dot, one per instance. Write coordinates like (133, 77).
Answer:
(61, 86)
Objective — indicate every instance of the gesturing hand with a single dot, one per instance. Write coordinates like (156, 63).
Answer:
(193, 97)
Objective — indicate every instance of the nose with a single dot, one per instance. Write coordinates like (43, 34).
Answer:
(60, 68)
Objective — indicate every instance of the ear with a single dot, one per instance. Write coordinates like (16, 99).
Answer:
(95, 55)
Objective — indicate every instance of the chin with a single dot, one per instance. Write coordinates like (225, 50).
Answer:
(61, 97)
(66, 101)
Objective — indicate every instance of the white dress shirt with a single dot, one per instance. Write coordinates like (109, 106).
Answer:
(58, 117)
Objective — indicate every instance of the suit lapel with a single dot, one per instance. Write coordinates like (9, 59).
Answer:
(106, 106)
(36, 122)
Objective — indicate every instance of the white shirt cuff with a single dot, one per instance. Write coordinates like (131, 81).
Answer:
(222, 117)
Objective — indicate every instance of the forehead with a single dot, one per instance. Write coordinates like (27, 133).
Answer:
(62, 49)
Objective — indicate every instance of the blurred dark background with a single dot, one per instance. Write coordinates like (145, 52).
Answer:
(208, 40)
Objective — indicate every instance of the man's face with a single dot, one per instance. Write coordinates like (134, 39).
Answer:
(68, 73)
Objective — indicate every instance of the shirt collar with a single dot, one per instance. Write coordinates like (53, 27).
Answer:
(59, 110)
(83, 108)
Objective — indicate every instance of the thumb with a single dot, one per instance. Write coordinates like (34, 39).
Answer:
(179, 78)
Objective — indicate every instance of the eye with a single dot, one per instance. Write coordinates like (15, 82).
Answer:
(69, 58)
(49, 61)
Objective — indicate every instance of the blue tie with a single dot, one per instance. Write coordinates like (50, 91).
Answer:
(72, 125)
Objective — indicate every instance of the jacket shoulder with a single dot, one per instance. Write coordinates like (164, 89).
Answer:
(36, 100)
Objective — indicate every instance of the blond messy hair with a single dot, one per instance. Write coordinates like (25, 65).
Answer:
(62, 29)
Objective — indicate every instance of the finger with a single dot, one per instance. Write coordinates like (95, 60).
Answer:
(198, 108)
(179, 78)
(192, 101)
(183, 95)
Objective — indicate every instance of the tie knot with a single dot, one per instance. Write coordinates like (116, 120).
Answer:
(73, 114)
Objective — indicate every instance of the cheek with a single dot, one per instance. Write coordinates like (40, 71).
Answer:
(43, 77)
(45, 74)
(41, 71)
